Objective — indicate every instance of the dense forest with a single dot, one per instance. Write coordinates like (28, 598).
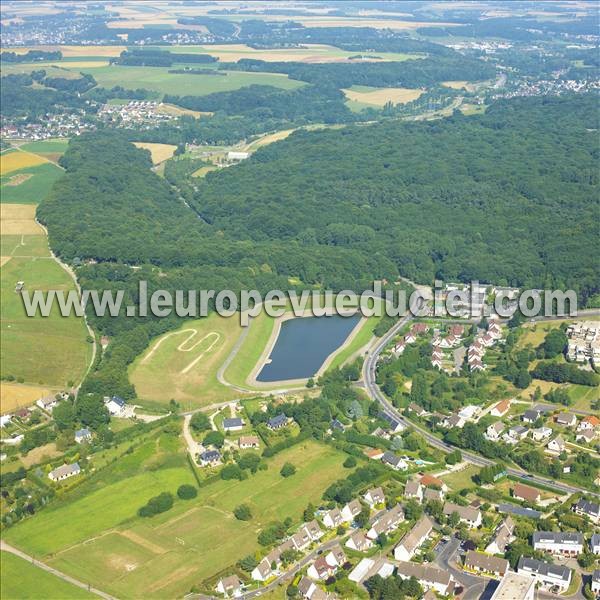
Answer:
(506, 197)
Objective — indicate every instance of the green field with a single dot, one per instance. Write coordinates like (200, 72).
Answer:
(161, 81)
(46, 146)
(33, 189)
(158, 377)
(164, 556)
(460, 479)
(23, 581)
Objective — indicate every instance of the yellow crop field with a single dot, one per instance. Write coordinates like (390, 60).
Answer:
(77, 51)
(14, 161)
(19, 219)
(159, 152)
(378, 97)
(19, 395)
(269, 139)
(177, 111)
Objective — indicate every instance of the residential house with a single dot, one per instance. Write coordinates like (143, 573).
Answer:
(541, 433)
(326, 565)
(83, 435)
(467, 514)
(557, 445)
(393, 424)
(399, 348)
(301, 539)
(546, 575)
(453, 421)
(359, 541)
(210, 458)
(230, 587)
(24, 414)
(374, 496)
(351, 510)
(595, 544)
(387, 522)
(235, 424)
(64, 471)
(413, 539)
(531, 416)
(277, 422)
(47, 403)
(410, 338)
(433, 494)
(487, 340)
(420, 328)
(515, 587)
(515, 434)
(449, 342)
(5, 420)
(476, 365)
(309, 590)
(248, 441)
(417, 410)
(397, 463)
(494, 431)
(566, 543)
(456, 330)
(333, 518)
(429, 576)
(591, 422)
(336, 425)
(264, 569)
(429, 480)
(503, 535)
(469, 413)
(374, 453)
(314, 530)
(500, 409)
(414, 489)
(566, 419)
(485, 563)
(520, 511)
(115, 405)
(369, 567)
(436, 362)
(595, 585)
(586, 436)
(588, 509)
(526, 493)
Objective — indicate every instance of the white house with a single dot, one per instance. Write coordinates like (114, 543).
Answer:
(64, 471)
(494, 431)
(556, 445)
(413, 539)
(374, 496)
(586, 436)
(546, 575)
(326, 565)
(414, 489)
(596, 583)
(566, 419)
(588, 509)
(351, 510)
(566, 543)
(387, 522)
(115, 406)
(230, 587)
(47, 403)
(466, 514)
(83, 435)
(469, 413)
(595, 544)
(591, 422)
(541, 433)
(397, 463)
(359, 541)
(500, 409)
(429, 576)
(234, 424)
(333, 518)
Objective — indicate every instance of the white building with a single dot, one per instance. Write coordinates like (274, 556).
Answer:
(514, 586)
(545, 575)
(64, 471)
(413, 539)
(369, 567)
(567, 543)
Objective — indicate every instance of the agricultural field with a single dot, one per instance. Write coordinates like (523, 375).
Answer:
(164, 556)
(50, 149)
(30, 185)
(183, 364)
(17, 395)
(17, 161)
(20, 579)
(41, 351)
(360, 97)
(162, 82)
(458, 480)
(158, 152)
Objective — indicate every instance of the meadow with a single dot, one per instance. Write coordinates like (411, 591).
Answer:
(158, 152)
(29, 185)
(17, 161)
(164, 556)
(360, 96)
(41, 351)
(20, 579)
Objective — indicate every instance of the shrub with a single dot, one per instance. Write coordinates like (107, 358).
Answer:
(186, 491)
(157, 504)
(350, 462)
(287, 470)
(242, 512)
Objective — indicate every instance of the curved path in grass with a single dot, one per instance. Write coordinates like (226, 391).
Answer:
(8, 548)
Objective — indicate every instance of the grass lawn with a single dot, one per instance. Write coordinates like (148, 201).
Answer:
(21, 580)
(460, 479)
(158, 79)
(29, 185)
(164, 556)
(183, 364)
(16, 161)
(583, 396)
(57, 146)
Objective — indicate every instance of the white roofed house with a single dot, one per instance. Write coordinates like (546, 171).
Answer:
(359, 541)
(413, 539)
(64, 471)
(369, 567)
(351, 510)
(557, 445)
(230, 587)
(386, 522)
(47, 403)
(233, 156)
(374, 496)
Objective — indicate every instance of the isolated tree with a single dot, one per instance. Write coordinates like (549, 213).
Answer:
(350, 462)
(199, 422)
(287, 470)
(214, 438)
(242, 512)
(187, 491)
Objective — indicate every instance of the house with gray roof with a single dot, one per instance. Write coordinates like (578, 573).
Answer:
(64, 472)
(567, 543)
(546, 575)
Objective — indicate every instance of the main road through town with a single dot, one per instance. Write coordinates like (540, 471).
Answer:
(372, 389)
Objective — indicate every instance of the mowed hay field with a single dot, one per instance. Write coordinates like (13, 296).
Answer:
(17, 160)
(43, 351)
(18, 395)
(163, 557)
(23, 581)
(158, 152)
(159, 80)
(365, 95)
(183, 364)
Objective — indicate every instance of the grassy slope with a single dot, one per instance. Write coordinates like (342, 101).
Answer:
(22, 580)
(34, 189)
(164, 556)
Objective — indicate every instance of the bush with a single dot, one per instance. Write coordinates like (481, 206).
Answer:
(214, 438)
(186, 491)
(287, 470)
(200, 422)
(242, 512)
(157, 504)
(233, 472)
(350, 462)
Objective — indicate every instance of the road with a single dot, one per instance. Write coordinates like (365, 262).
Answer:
(372, 389)
(8, 548)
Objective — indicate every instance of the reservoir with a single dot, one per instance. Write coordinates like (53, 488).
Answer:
(303, 345)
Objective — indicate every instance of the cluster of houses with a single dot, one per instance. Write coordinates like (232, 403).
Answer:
(584, 342)
(480, 344)
(451, 340)
(410, 338)
(136, 112)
